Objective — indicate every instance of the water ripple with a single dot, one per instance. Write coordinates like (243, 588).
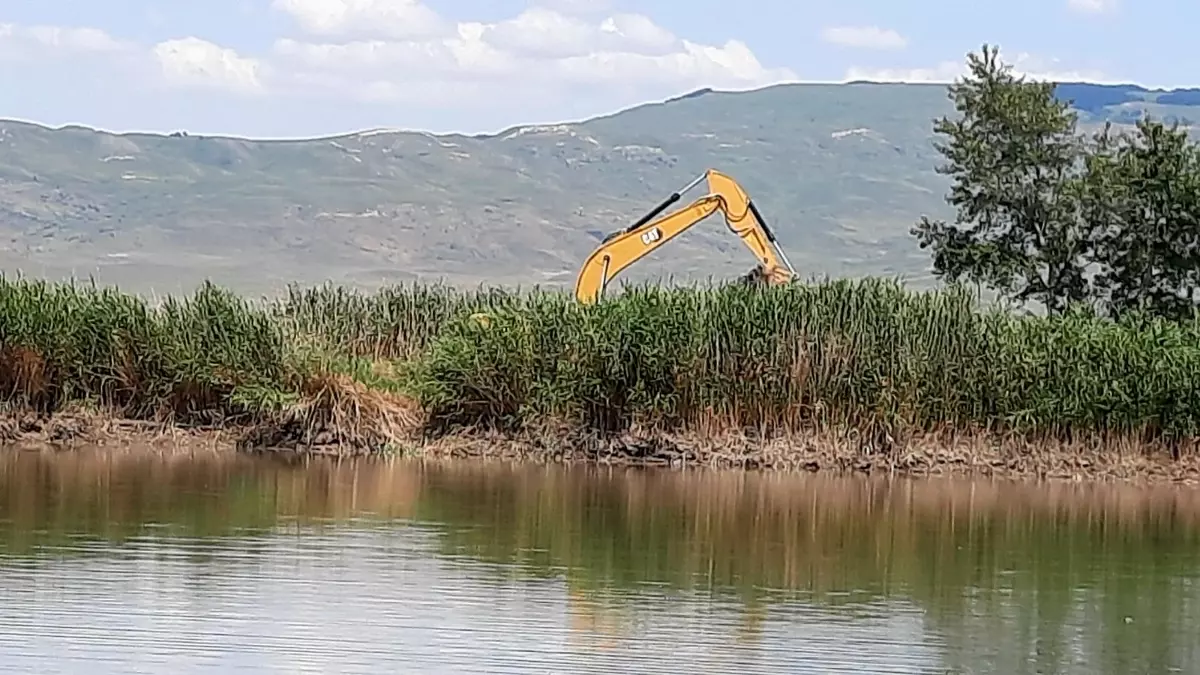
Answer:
(136, 564)
(378, 601)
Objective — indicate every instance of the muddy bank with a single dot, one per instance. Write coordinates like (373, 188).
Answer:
(89, 430)
(944, 454)
(941, 454)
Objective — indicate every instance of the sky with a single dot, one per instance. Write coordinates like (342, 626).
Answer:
(295, 68)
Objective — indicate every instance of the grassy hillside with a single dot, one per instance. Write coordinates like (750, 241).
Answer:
(841, 171)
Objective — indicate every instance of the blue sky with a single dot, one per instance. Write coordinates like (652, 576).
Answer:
(309, 67)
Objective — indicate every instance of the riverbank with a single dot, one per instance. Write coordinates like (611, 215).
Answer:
(845, 376)
(946, 454)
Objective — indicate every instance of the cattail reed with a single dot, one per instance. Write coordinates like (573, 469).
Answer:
(866, 355)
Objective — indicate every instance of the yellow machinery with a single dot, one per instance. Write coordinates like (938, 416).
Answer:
(622, 249)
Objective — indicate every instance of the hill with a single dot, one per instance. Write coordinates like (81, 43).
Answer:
(840, 171)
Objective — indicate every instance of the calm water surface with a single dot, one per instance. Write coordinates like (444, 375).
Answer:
(134, 562)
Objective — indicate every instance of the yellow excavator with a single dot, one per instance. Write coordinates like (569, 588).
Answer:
(625, 247)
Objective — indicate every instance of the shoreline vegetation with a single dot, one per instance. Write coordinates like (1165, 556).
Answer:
(843, 376)
(1099, 229)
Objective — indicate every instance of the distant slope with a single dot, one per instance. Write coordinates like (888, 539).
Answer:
(841, 171)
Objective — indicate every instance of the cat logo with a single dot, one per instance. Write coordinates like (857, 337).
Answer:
(652, 235)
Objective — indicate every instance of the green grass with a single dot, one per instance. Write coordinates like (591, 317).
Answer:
(199, 356)
(866, 355)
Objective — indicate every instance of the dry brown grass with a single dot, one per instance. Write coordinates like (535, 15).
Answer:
(23, 374)
(336, 411)
(341, 416)
(78, 426)
(339, 401)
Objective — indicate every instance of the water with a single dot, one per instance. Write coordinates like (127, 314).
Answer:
(120, 562)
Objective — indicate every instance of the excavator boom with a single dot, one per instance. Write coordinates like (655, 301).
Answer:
(622, 249)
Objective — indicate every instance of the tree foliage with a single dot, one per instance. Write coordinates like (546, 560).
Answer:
(1047, 214)
(1147, 191)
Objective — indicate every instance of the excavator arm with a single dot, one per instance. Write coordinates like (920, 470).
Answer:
(629, 246)
(626, 247)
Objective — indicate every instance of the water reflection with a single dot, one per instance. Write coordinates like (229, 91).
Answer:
(598, 569)
(53, 500)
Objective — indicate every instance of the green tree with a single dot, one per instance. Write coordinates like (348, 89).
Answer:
(1014, 158)
(1144, 201)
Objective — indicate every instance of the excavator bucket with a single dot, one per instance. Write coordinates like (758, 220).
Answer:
(759, 276)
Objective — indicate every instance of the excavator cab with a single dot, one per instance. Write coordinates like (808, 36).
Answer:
(625, 247)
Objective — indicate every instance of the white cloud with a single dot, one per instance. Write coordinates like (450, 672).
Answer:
(543, 33)
(636, 33)
(75, 39)
(1092, 6)
(864, 37)
(540, 62)
(397, 19)
(465, 56)
(578, 7)
(37, 41)
(1023, 63)
(195, 62)
(538, 53)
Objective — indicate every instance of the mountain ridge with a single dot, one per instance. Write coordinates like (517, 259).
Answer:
(841, 171)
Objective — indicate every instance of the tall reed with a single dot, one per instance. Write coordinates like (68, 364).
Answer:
(395, 322)
(866, 355)
(208, 354)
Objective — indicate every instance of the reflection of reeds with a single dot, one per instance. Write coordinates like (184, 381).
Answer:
(117, 494)
(595, 622)
(1004, 564)
(797, 532)
(1115, 550)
